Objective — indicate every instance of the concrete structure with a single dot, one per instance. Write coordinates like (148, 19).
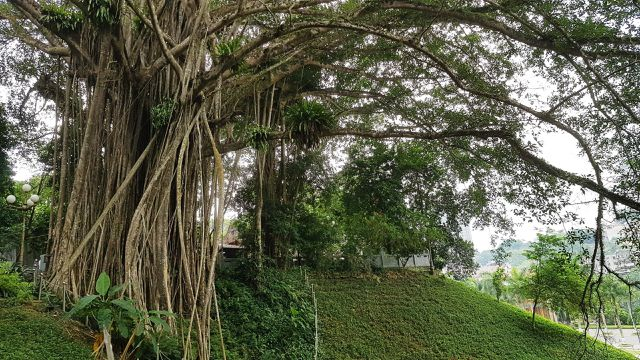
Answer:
(384, 260)
(8, 256)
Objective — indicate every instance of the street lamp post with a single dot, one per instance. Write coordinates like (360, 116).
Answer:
(25, 205)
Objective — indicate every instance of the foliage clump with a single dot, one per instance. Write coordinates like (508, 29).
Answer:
(274, 320)
(103, 13)
(161, 113)
(555, 278)
(258, 137)
(226, 48)
(306, 120)
(134, 330)
(63, 18)
(12, 286)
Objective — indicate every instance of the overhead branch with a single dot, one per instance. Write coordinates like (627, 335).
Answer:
(31, 10)
(547, 42)
(161, 35)
(227, 20)
(20, 33)
(510, 138)
(457, 80)
(622, 278)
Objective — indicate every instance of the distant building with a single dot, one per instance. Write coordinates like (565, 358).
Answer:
(8, 256)
(620, 261)
(384, 260)
(232, 248)
(231, 237)
(541, 310)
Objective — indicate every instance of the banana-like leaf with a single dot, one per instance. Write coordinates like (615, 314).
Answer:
(103, 284)
(82, 303)
(126, 305)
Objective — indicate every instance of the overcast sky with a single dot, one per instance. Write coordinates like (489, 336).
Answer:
(560, 150)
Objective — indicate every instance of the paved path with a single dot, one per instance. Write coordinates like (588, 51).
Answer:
(628, 341)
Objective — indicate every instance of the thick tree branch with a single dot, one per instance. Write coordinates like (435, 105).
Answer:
(31, 10)
(622, 278)
(503, 134)
(482, 20)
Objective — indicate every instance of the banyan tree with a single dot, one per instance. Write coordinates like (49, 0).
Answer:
(151, 94)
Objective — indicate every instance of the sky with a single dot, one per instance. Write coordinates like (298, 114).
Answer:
(560, 150)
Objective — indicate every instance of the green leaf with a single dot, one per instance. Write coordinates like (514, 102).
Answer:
(82, 303)
(159, 322)
(139, 328)
(114, 290)
(104, 317)
(103, 283)
(123, 330)
(154, 343)
(162, 313)
(126, 305)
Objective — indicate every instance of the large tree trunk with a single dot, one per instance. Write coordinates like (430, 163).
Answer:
(141, 194)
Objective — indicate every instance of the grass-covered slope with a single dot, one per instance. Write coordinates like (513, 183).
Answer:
(27, 334)
(412, 316)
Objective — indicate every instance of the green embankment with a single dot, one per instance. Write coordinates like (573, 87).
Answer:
(27, 334)
(412, 316)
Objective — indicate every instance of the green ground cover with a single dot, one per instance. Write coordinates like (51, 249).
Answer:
(412, 316)
(28, 334)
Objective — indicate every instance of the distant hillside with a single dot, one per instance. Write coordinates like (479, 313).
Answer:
(408, 315)
(517, 258)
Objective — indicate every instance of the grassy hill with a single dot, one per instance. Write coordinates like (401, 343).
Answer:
(408, 315)
(28, 334)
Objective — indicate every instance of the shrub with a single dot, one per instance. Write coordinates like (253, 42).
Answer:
(274, 320)
(63, 18)
(134, 330)
(12, 286)
(162, 112)
(258, 137)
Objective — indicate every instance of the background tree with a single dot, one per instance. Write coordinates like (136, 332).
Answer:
(401, 199)
(9, 219)
(500, 257)
(555, 277)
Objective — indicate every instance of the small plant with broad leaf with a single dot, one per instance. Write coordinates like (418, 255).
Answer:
(124, 327)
